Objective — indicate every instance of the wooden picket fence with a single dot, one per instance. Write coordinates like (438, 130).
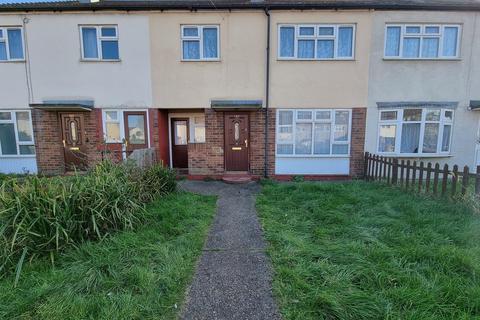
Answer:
(421, 177)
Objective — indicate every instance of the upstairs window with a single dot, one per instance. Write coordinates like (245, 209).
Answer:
(316, 42)
(200, 43)
(414, 131)
(422, 41)
(16, 134)
(11, 44)
(100, 43)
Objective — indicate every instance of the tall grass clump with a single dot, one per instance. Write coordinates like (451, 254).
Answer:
(40, 216)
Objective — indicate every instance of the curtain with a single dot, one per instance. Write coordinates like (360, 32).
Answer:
(345, 39)
(190, 32)
(410, 138)
(3, 51)
(285, 148)
(285, 117)
(307, 31)
(411, 47)
(8, 143)
(325, 31)
(447, 129)
(303, 138)
(210, 45)
(191, 49)
(430, 47)
(341, 126)
(24, 127)
(430, 138)
(90, 49)
(325, 49)
(287, 40)
(306, 49)
(15, 46)
(450, 36)
(386, 141)
(110, 49)
(340, 149)
(392, 48)
(321, 136)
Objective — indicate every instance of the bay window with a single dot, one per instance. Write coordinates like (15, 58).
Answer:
(415, 131)
(313, 132)
(16, 134)
(316, 42)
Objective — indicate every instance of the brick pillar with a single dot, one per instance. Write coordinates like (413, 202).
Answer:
(214, 139)
(48, 142)
(257, 142)
(357, 148)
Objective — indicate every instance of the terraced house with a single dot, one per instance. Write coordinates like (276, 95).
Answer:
(262, 88)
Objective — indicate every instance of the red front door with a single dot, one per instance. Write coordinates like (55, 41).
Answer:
(136, 134)
(73, 139)
(180, 143)
(236, 141)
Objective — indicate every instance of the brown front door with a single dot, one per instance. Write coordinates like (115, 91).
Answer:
(236, 141)
(73, 137)
(136, 134)
(180, 143)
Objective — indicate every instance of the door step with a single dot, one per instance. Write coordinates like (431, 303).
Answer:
(233, 178)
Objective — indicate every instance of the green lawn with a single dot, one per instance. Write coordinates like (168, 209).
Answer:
(132, 275)
(365, 251)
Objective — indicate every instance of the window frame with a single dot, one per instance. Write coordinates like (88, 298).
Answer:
(399, 122)
(13, 120)
(100, 38)
(316, 37)
(199, 38)
(121, 120)
(314, 121)
(5, 39)
(403, 27)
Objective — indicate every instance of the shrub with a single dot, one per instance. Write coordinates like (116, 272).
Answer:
(41, 216)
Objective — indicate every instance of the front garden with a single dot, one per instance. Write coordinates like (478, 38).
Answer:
(361, 250)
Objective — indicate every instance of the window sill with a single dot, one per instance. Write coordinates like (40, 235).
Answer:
(331, 60)
(98, 60)
(421, 59)
(312, 156)
(12, 61)
(7, 156)
(415, 155)
(200, 60)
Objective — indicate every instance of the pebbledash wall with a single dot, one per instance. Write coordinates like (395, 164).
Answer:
(57, 72)
(454, 80)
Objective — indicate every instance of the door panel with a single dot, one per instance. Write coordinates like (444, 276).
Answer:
(236, 142)
(73, 138)
(180, 138)
(136, 133)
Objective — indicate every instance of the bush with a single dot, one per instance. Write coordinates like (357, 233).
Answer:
(42, 216)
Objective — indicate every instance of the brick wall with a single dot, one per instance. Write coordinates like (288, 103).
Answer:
(48, 140)
(257, 142)
(359, 116)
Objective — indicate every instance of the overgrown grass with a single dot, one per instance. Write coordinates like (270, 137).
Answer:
(42, 216)
(132, 275)
(364, 251)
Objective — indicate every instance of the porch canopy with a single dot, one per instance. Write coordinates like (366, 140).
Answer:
(475, 105)
(64, 105)
(236, 105)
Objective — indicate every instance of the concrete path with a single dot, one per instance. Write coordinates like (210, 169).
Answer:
(233, 276)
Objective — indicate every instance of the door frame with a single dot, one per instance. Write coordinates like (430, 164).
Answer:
(145, 126)
(225, 113)
(62, 132)
(171, 120)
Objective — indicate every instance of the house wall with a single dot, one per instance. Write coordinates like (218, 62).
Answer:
(454, 80)
(239, 74)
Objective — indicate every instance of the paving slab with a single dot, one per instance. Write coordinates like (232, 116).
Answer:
(233, 276)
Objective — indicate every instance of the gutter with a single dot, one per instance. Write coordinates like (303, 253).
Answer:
(193, 6)
(267, 91)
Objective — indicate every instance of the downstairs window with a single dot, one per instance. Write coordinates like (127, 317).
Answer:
(16, 134)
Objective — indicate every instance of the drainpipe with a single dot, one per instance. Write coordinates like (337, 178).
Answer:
(267, 92)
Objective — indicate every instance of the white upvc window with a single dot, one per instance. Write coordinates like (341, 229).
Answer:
(200, 42)
(11, 44)
(99, 43)
(422, 41)
(16, 134)
(415, 131)
(316, 42)
(313, 132)
(113, 126)
(198, 129)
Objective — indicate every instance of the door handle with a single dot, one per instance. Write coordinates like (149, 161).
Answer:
(64, 144)
(246, 143)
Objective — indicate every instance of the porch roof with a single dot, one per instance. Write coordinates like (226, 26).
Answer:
(236, 105)
(474, 104)
(64, 105)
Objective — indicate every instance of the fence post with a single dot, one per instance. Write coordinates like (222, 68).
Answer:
(445, 179)
(435, 178)
(454, 180)
(428, 178)
(477, 182)
(365, 167)
(466, 174)
(395, 171)
(420, 177)
(407, 177)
